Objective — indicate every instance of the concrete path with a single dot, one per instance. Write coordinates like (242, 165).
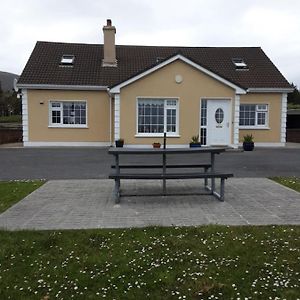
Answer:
(75, 204)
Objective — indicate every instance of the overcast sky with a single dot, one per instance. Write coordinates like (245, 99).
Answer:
(273, 25)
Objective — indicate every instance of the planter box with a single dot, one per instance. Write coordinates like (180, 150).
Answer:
(195, 145)
(119, 144)
(248, 146)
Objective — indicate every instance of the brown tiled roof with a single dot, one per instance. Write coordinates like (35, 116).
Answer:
(43, 66)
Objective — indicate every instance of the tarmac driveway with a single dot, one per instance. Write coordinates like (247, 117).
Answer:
(94, 163)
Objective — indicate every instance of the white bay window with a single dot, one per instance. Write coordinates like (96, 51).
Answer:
(67, 114)
(156, 116)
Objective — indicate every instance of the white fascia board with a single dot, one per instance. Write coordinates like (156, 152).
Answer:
(62, 87)
(117, 88)
(269, 90)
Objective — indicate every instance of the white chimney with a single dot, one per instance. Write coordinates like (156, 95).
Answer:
(109, 59)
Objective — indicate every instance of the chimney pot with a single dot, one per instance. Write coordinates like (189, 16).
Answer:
(108, 22)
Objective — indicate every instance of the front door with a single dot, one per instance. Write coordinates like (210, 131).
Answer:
(218, 122)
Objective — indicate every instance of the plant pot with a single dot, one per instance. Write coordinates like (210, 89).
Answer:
(119, 144)
(156, 145)
(195, 145)
(248, 146)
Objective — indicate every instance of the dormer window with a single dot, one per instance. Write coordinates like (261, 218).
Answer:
(240, 64)
(67, 60)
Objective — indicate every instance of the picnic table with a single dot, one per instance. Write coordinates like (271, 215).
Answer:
(207, 170)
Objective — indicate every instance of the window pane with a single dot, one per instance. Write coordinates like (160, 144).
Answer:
(72, 112)
(55, 104)
(203, 136)
(56, 117)
(171, 120)
(247, 115)
(150, 115)
(203, 112)
(219, 115)
(261, 118)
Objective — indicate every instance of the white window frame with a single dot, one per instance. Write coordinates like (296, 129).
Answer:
(61, 125)
(240, 64)
(67, 59)
(159, 134)
(257, 111)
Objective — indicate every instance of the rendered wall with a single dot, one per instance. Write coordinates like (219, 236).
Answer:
(272, 133)
(97, 117)
(161, 83)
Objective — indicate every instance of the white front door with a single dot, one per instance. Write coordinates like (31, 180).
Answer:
(218, 122)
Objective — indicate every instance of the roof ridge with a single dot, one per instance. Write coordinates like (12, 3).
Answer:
(68, 43)
(152, 46)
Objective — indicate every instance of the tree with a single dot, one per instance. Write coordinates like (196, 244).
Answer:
(9, 103)
(294, 97)
(2, 102)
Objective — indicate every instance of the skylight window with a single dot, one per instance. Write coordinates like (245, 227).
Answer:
(159, 59)
(67, 59)
(240, 64)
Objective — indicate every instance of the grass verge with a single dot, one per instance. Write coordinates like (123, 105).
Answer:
(209, 262)
(11, 119)
(13, 191)
(291, 182)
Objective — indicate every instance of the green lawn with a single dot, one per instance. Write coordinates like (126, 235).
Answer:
(11, 119)
(291, 182)
(210, 262)
(13, 191)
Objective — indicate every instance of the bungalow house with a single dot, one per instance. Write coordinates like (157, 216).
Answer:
(94, 94)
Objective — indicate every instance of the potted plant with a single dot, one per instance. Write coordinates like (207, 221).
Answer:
(119, 143)
(156, 145)
(195, 141)
(248, 143)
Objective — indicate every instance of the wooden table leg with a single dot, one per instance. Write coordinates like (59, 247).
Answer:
(117, 181)
(164, 173)
(212, 162)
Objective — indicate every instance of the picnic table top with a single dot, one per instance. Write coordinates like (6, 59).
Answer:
(214, 150)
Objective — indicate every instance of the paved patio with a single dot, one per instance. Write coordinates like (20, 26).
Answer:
(75, 204)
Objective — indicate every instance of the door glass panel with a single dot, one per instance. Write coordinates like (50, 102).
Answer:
(219, 115)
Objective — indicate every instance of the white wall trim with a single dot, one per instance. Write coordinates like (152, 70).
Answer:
(236, 119)
(283, 117)
(271, 145)
(270, 90)
(117, 116)
(25, 115)
(66, 144)
(62, 87)
(239, 90)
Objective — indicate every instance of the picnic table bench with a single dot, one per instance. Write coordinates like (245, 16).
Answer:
(203, 170)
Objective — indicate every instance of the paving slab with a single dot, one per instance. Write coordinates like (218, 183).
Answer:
(80, 204)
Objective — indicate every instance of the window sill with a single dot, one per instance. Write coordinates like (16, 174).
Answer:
(254, 128)
(68, 126)
(151, 135)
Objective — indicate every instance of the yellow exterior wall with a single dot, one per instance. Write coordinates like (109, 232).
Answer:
(97, 117)
(271, 135)
(161, 83)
